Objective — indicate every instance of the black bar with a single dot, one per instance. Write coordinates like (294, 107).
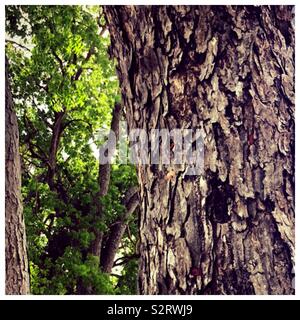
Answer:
(147, 309)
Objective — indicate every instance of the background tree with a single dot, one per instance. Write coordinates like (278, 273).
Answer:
(16, 262)
(228, 70)
(65, 90)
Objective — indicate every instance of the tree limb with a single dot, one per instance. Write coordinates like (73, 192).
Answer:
(103, 181)
(17, 44)
(59, 60)
(87, 58)
(123, 260)
(117, 231)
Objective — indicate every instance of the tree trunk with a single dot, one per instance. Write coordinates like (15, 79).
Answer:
(230, 72)
(17, 277)
(103, 181)
(117, 230)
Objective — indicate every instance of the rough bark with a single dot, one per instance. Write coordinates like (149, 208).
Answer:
(17, 276)
(230, 72)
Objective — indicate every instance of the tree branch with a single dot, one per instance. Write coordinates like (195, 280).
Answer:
(59, 60)
(87, 58)
(80, 70)
(103, 181)
(123, 260)
(17, 44)
(117, 231)
(56, 134)
(77, 120)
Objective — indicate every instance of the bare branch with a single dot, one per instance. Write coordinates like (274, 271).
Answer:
(17, 44)
(78, 120)
(59, 60)
(125, 259)
(80, 70)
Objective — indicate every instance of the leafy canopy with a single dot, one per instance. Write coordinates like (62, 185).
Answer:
(60, 71)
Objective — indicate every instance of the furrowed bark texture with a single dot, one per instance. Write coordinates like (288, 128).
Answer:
(17, 277)
(230, 72)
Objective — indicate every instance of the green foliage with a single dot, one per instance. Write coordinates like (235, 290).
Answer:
(69, 270)
(66, 72)
(127, 283)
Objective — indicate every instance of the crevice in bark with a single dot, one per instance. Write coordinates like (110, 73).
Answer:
(217, 69)
(218, 200)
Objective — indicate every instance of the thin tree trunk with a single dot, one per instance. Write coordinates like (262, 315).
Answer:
(117, 230)
(230, 72)
(96, 247)
(17, 276)
(103, 181)
(54, 145)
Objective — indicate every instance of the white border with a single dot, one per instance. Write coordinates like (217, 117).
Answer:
(2, 161)
(157, 2)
